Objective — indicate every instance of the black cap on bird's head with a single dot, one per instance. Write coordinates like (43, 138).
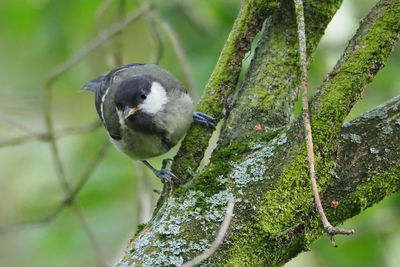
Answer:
(131, 93)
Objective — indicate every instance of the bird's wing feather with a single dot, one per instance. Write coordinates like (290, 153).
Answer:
(95, 84)
(104, 98)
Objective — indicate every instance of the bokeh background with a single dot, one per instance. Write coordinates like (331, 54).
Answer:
(38, 35)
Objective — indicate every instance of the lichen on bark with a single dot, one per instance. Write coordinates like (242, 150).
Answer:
(265, 170)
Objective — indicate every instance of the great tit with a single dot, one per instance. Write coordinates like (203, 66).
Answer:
(145, 111)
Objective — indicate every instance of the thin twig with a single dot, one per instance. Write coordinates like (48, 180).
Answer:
(49, 123)
(150, 17)
(89, 232)
(330, 230)
(17, 125)
(68, 200)
(103, 8)
(118, 51)
(61, 173)
(218, 240)
(44, 136)
(89, 48)
(180, 52)
(143, 192)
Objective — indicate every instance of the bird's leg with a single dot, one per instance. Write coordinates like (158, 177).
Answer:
(164, 173)
(204, 119)
(166, 164)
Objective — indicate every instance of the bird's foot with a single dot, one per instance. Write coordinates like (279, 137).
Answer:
(166, 164)
(204, 119)
(165, 173)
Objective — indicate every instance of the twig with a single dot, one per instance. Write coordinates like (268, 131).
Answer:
(89, 48)
(68, 200)
(85, 224)
(143, 192)
(89, 169)
(61, 173)
(44, 136)
(49, 123)
(150, 17)
(118, 51)
(218, 240)
(103, 8)
(180, 52)
(330, 230)
(17, 125)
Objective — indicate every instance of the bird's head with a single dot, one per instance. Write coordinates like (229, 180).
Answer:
(138, 99)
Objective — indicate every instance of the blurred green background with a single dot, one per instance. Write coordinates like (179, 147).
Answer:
(37, 35)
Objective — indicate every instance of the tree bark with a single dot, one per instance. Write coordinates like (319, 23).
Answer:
(264, 168)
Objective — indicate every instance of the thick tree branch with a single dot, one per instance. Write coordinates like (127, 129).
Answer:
(271, 85)
(365, 168)
(364, 57)
(273, 229)
(266, 171)
(222, 83)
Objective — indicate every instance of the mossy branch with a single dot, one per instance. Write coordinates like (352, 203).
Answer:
(266, 170)
(363, 58)
(222, 83)
(271, 85)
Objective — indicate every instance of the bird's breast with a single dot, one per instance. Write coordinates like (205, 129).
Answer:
(139, 145)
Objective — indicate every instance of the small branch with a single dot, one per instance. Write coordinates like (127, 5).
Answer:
(221, 84)
(143, 192)
(104, 37)
(49, 123)
(17, 125)
(103, 8)
(150, 17)
(44, 136)
(68, 200)
(359, 64)
(331, 231)
(180, 52)
(218, 240)
(118, 50)
(270, 88)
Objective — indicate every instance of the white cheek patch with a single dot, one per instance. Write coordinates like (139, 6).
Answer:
(155, 100)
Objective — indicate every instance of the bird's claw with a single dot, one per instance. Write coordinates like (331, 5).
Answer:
(166, 164)
(203, 118)
(165, 174)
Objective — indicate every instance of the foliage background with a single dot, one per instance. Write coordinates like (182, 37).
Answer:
(37, 35)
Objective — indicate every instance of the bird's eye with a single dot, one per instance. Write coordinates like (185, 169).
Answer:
(143, 96)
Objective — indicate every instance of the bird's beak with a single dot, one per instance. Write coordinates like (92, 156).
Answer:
(130, 111)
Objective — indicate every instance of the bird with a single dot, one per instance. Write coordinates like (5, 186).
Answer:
(145, 111)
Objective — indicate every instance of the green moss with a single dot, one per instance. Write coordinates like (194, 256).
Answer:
(222, 81)
(271, 85)
(140, 227)
(359, 65)
(265, 236)
(220, 166)
(268, 136)
(162, 237)
(282, 208)
(366, 194)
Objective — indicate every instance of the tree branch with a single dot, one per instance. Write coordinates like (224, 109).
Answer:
(271, 85)
(221, 84)
(266, 172)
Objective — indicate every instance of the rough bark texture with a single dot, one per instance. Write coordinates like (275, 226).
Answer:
(266, 171)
